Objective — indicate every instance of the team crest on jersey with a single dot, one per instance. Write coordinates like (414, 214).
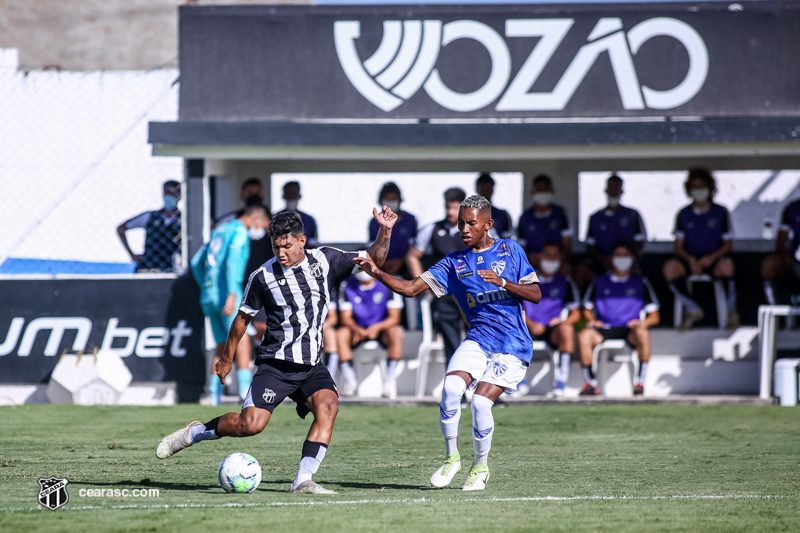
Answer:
(623, 222)
(498, 267)
(377, 297)
(53, 492)
(630, 292)
(316, 270)
(269, 396)
(499, 368)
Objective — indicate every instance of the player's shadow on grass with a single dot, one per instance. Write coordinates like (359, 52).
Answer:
(393, 486)
(148, 484)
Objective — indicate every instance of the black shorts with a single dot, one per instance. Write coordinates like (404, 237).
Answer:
(547, 337)
(615, 333)
(709, 270)
(364, 341)
(275, 380)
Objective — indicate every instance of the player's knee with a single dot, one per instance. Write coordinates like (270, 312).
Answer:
(724, 269)
(481, 405)
(327, 409)
(673, 269)
(454, 388)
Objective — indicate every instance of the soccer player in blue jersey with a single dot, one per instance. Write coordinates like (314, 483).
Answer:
(219, 268)
(489, 280)
(612, 307)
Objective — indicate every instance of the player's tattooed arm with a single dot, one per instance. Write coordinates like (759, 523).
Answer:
(530, 292)
(386, 218)
(403, 287)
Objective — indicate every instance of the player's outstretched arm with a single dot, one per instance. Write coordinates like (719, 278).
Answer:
(403, 287)
(239, 326)
(530, 293)
(386, 218)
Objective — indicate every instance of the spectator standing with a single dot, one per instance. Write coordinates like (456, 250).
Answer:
(546, 320)
(703, 240)
(544, 222)
(503, 226)
(291, 195)
(219, 268)
(251, 193)
(370, 311)
(162, 241)
(403, 233)
(612, 306)
(433, 243)
(784, 265)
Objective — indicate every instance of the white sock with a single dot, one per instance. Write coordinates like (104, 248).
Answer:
(203, 432)
(349, 373)
(450, 411)
(391, 370)
(333, 365)
(563, 370)
(313, 454)
(482, 428)
(643, 371)
(769, 292)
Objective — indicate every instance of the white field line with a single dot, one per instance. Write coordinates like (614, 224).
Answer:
(412, 501)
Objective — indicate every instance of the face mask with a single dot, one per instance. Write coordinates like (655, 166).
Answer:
(363, 277)
(613, 201)
(170, 202)
(253, 199)
(700, 195)
(550, 267)
(394, 205)
(256, 234)
(291, 205)
(542, 198)
(622, 263)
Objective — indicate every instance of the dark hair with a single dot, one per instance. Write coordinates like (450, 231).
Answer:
(625, 243)
(485, 179)
(542, 178)
(172, 183)
(551, 243)
(454, 194)
(291, 184)
(389, 187)
(701, 173)
(251, 181)
(286, 223)
(614, 177)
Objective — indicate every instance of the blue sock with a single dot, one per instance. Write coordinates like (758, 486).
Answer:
(244, 377)
(215, 389)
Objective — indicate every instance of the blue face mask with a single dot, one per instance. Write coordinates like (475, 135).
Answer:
(170, 202)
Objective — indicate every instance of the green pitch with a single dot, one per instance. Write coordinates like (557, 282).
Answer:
(566, 468)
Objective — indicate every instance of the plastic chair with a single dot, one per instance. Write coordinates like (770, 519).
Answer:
(719, 297)
(429, 344)
(605, 347)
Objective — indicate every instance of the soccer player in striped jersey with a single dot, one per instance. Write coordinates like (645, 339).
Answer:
(489, 280)
(294, 289)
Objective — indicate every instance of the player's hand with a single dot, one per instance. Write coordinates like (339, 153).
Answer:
(595, 324)
(536, 328)
(636, 324)
(491, 277)
(694, 266)
(706, 261)
(371, 332)
(367, 265)
(230, 305)
(555, 322)
(222, 368)
(386, 217)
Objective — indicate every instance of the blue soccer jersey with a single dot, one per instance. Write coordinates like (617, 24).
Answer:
(494, 315)
(370, 304)
(535, 230)
(608, 226)
(617, 301)
(558, 293)
(703, 232)
(220, 264)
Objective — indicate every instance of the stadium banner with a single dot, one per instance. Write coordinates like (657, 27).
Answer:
(273, 63)
(155, 324)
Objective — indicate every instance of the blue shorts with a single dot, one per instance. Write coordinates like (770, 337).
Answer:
(220, 324)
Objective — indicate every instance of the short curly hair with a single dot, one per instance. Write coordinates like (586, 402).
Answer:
(286, 223)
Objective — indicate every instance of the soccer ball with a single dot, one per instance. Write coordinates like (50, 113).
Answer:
(239, 472)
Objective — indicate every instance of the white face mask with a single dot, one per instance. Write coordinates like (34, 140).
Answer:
(700, 195)
(291, 205)
(613, 201)
(256, 234)
(542, 198)
(622, 263)
(363, 277)
(394, 205)
(550, 267)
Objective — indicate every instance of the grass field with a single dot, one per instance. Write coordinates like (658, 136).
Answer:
(563, 468)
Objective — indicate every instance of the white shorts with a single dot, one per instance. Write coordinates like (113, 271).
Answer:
(501, 369)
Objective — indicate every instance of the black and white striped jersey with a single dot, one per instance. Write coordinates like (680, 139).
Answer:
(295, 300)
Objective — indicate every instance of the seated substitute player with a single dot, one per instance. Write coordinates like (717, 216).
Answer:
(544, 319)
(219, 268)
(369, 311)
(703, 240)
(489, 280)
(294, 288)
(784, 266)
(618, 298)
(544, 222)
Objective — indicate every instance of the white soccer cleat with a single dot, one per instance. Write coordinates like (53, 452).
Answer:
(349, 390)
(175, 442)
(445, 473)
(478, 477)
(389, 390)
(309, 486)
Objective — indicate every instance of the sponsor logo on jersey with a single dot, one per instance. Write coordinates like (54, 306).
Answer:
(480, 259)
(465, 274)
(499, 295)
